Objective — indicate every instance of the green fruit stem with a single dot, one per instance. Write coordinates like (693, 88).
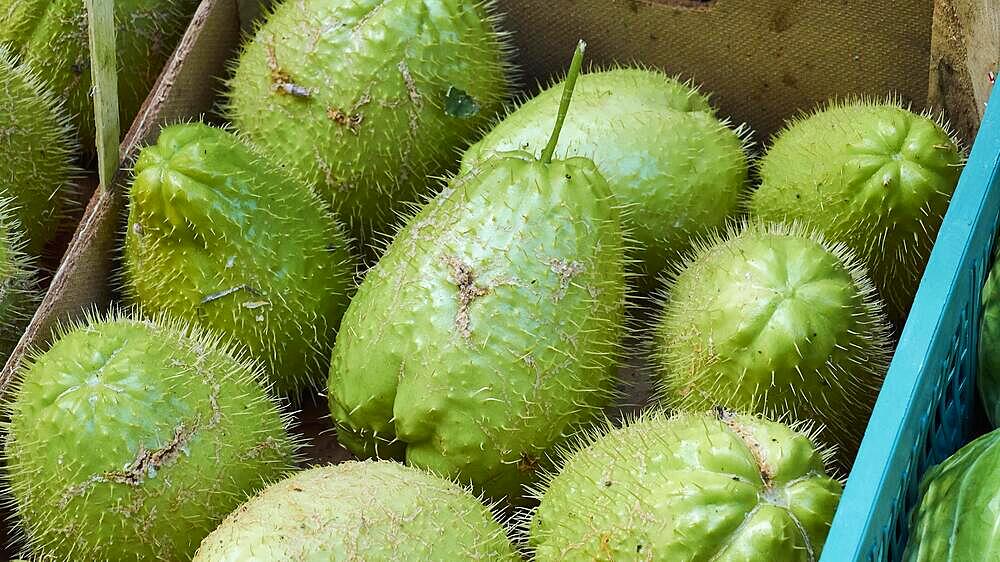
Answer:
(567, 96)
(104, 68)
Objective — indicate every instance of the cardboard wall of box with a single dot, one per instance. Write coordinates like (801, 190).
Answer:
(763, 61)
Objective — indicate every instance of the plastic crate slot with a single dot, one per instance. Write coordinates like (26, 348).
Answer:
(906, 502)
(938, 411)
(897, 539)
(951, 358)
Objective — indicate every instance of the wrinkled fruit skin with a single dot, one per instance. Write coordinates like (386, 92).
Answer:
(19, 291)
(988, 373)
(490, 326)
(657, 142)
(956, 518)
(37, 148)
(775, 321)
(359, 511)
(132, 440)
(693, 487)
(355, 95)
(873, 176)
(220, 237)
(51, 35)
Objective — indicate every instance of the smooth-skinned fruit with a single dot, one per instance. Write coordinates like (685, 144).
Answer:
(988, 350)
(959, 506)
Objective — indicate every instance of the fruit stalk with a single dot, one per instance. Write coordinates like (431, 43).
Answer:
(574, 72)
(101, 20)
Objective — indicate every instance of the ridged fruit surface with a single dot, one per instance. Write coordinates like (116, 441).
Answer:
(777, 321)
(693, 487)
(657, 141)
(490, 326)
(37, 148)
(874, 176)
(219, 236)
(51, 36)
(956, 519)
(369, 97)
(359, 511)
(132, 439)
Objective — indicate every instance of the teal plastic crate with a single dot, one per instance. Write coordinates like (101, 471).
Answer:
(927, 407)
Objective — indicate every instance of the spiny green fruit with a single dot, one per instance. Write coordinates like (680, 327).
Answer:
(872, 175)
(132, 439)
(691, 487)
(359, 511)
(51, 35)
(657, 142)
(988, 372)
(37, 148)
(490, 327)
(19, 292)
(219, 236)
(369, 97)
(775, 320)
(956, 518)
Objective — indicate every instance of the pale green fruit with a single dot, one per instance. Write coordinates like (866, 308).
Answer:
(688, 488)
(51, 36)
(131, 439)
(37, 149)
(871, 175)
(666, 155)
(367, 98)
(775, 320)
(221, 237)
(372, 511)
